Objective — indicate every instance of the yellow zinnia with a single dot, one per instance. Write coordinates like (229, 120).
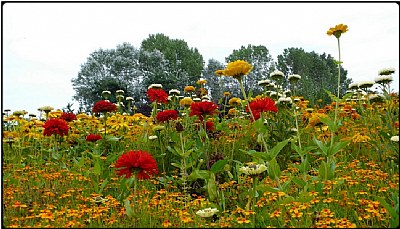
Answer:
(237, 69)
(337, 30)
(186, 102)
(235, 102)
(189, 89)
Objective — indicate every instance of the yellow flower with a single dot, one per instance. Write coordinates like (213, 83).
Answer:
(186, 102)
(237, 69)
(227, 93)
(189, 89)
(201, 81)
(235, 101)
(337, 30)
(219, 72)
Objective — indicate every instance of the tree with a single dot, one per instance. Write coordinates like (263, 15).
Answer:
(259, 58)
(108, 70)
(182, 65)
(318, 72)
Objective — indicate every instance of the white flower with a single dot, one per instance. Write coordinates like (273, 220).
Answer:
(293, 129)
(152, 137)
(366, 84)
(276, 74)
(395, 138)
(285, 100)
(294, 77)
(174, 92)
(207, 212)
(196, 99)
(129, 98)
(155, 86)
(384, 79)
(353, 86)
(106, 93)
(386, 71)
(205, 98)
(264, 82)
(253, 169)
(119, 92)
(119, 97)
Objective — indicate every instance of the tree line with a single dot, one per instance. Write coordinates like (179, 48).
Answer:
(172, 63)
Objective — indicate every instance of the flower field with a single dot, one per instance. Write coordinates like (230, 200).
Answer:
(267, 160)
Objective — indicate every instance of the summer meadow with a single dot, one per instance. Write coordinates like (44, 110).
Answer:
(255, 160)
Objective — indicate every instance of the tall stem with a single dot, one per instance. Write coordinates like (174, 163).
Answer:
(245, 97)
(338, 92)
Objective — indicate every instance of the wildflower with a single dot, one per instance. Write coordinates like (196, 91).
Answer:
(353, 86)
(141, 163)
(253, 169)
(93, 137)
(19, 113)
(155, 86)
(261, 105)
(69, 117)
(337, 30)
(315, 119)
(285, 100)
(46, 109)
(55, 126)
(235, 102)
(201, 81)
(166, 115)
(129, 99)
(119, 97)
(189, 89)
(276, 75)
(186, 102)
(376, 98)
(219, 72)
(158, 95)
(366, 84)
(237, 69)
(384, 79)
(395, 138)
(294, 78)
(153, 137)
(205, 98)
(386, 71)
(119, 92)
(209, 126)
(227, 93)
(106, 94)
(264, 82)
(203, 108)
(174, 92)
(158, 128)
(104, 106)
(207, 212)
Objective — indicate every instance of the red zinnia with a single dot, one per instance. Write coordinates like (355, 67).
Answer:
(55, 126)
(93, 138)
(203, 108)
(166, 115)
(69, 117)
(158, 95)
(140, 162)
(104, 106)
(261, 105)
(209, 126)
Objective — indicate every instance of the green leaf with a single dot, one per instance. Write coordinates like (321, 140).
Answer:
(260, 155)
(277, 148)
(176, 164)
(274, 171)
(304, 166)
(336, 147)
(111, 138)
(394, 221)
(266, 188)
(97, 167)
(128, 208)
(321, 146)
(199, 174)
(212, 188)
(218, 166)
(299, 182)
(103, 185)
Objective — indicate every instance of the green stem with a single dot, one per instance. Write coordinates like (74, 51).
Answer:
(245, 98)
(338, 93)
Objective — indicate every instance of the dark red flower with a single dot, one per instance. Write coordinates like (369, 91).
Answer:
(69, 117)
(261, 105)
(138, 162)
(158, 95)
(55, 126)
(104, 106)
(93, 138)
(209, 126)
(203, 108)
(166, 115)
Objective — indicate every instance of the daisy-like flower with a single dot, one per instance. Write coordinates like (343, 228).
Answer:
(261, 105)
(209, 126)
(93, 138)
(276, 75)
(227, 93)
(166, 115)
(394, 138)
(383, 79)
(119, 97)
(353, 86)
(286, 100)
(196, 99)
(186, 102)
(337, 30)
(155, 86)
(119, 92)
(104, 106)
(376, 98)
(294, 78)
(201, 81)
(366, 84)
(237, 69)
(189, 89)
(129, 99)
(235, 102)
(207, 212)
(205, 98)
(19, 113)
(138, 163)
(203, 108)
(46, 109)
(264, 82)
(68, 116)
(55, 126)
(174, 92)
(386, 71)
(253, 169)
(158, 95)
(153, 137)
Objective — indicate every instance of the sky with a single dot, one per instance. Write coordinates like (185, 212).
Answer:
(45, 44)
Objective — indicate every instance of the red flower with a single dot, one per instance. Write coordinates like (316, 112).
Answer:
(158, 95)
(166, 115)
(203, 108)
(209, 126)
(104, 106)
(93, 138)
(69, 117)
(137, 162)
(55, 126)
(261, 105)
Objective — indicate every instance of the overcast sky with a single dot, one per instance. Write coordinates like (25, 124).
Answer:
(44, 44)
